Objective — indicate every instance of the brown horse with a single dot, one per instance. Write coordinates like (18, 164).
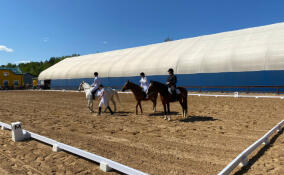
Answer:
(140, 95)
(166, 97)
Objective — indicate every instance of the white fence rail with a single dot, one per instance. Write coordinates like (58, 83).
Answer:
(61, 146)
(189, 94)
(242, 158)
(237, 95)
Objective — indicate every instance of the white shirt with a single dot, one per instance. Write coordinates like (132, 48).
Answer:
(104, 97)
(144, 83)
(96, 82)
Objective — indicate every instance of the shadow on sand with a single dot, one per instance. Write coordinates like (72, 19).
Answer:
(122, 113)
(260, 153)
(197, 119)
(159, 114)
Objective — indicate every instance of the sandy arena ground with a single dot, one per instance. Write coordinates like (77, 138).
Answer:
(215, 132)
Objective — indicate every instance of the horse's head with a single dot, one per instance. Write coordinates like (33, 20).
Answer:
(125, 86)
(81, 86)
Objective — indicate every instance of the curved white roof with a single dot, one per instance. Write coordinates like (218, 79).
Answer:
(252, 49)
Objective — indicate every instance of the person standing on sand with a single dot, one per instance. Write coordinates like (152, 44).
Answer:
(103, 99)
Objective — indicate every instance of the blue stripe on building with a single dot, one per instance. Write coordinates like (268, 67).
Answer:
(253, 78)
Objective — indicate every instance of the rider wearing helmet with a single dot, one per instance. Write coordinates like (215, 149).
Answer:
(96, 84)
(171, 82)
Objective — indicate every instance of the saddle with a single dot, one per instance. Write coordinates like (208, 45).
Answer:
(144, 95)
(174, 94)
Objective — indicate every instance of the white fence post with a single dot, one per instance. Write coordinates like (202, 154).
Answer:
(104, 167)
(236, 94)
(17, 132)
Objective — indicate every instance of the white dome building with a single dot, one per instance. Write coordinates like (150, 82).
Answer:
(247, 57)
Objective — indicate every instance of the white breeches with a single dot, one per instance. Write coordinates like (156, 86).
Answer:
(145, 88)
(104, 101)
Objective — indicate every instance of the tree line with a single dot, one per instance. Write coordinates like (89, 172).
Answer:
(35, 68)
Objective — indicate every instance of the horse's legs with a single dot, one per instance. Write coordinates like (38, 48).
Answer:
(185, 105)
(154, 104)
(137, 107)
(140, 107)
(165, 110)
(90, 105)
(182, 105)
(169, 113)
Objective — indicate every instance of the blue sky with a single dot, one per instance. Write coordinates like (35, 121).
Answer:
(35, 30)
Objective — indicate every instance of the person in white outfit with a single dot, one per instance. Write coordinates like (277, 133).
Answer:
(103, 99)
(96, 84)
(143, 82)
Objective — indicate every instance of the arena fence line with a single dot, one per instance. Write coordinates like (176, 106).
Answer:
(242, 159)
(105, 164)
(236, 94)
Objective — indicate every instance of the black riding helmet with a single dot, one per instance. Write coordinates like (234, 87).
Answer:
(171, 70)
(96, 73)
(142, 74)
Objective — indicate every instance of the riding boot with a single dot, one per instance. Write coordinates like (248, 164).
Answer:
(174, 94)
(100, 111)
(110, 110)
(94, 95)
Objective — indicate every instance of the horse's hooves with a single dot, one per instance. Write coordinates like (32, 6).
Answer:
(169, 119)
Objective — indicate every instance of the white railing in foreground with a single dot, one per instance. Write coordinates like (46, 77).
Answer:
(242, 158)
(112, 164)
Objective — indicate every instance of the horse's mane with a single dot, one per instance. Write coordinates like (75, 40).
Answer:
(87, 84)
(158, 84)
(136, 86)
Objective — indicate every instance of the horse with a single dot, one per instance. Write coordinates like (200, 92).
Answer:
(109, 92)
(140, 95)
(166, 97)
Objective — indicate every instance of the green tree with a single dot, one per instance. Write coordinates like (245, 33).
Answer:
(168, 39)
(35, 68)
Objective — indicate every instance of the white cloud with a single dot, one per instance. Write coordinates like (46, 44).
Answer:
(105, 42)
(45, 39)
(5, 49)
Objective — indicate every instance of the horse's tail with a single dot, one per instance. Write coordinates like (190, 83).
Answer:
(185, 103)
(117, 96)
(185, 99)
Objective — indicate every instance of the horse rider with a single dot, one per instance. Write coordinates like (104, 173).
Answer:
(143, 82)
(95, 85)
(103, 99)
(171, 82)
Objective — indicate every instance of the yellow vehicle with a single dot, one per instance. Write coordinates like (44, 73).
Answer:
(11, 78)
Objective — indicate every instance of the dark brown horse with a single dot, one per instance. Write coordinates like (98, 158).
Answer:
(166, 97)
(140, 95)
